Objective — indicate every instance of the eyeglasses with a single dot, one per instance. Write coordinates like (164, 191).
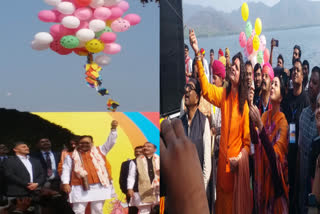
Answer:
(189, 87)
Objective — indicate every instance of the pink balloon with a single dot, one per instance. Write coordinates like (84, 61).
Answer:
(242, 39)
(249, 46)
(102, 13)
(47, 16)
(83, 25)
(266, 55)
(61, 16)
(116, 12)
(55, 31)
(123, 5)
(67, 31)
(108, 37)
(120, 25)
(112, 48)
(57, 15)
(58, 48)
(134, 19)
(83, 13)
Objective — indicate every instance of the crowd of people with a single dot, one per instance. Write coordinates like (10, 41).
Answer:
(255, 129)
(78, 179)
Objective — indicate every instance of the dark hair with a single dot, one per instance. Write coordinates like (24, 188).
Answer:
(283, 79)
(84, 136)
(138, 147)
(298, 47)
(17, 143)
(248, 63)
(316, 69)
(280, 57)
(305, 62)
(198, 87)
(243, 87)
(211, 51)
(152, 144)
(186, 46)
(257, 67)
(75, 138)
(297, 60)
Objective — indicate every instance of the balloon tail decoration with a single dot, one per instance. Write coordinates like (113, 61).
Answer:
(112, 105)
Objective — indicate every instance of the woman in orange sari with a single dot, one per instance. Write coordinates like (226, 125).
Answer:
(271, 147)
(233, 186)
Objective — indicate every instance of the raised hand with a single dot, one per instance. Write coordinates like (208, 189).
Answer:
(193, 41)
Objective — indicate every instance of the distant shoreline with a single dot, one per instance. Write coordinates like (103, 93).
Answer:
(237, 33)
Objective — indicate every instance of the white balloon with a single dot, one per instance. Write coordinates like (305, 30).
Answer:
(39, 47)
(102, 60)
(43, 38)
(52, 2)
(97, 25)
(109, 3)
(70, 22)
(66, 8)
(85, 34)
(97, 3)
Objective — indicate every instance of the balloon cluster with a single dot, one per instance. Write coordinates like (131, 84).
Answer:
(85, 27)
(252, 41)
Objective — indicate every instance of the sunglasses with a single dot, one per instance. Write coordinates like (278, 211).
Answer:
(190, 87)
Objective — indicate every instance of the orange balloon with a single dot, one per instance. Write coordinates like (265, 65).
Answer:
(109, 22)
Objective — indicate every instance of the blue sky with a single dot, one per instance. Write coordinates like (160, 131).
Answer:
(45, 81)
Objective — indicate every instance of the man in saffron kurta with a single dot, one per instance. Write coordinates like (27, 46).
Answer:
(235, 136)
(88, 162)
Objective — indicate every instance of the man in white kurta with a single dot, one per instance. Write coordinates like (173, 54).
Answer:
(90, 162)
(144, 180)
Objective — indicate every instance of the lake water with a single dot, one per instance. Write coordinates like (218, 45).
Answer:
(307, 38)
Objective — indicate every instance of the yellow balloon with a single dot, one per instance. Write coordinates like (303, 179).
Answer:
(256, 42)
(258, 26)
(94, 46)
(245, 11)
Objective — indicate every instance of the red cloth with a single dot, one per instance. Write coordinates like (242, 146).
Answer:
(220, 53)
(218, 69)
(270, 70)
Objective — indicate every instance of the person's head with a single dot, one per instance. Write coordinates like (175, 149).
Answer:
(267, 77)
(237, 79)
(186, 50)
(296, 53)
(74, 140)
(21, 148)
(249, 72)
(297, 74)
(202, 52)
(220, 53)
(211, 55)
(44, 144)
(317, 113)
(149, 149)
(257, 76)
(305, 70)
(192, 92)
(138, 151)
(218, 73)
(227, 53)
(280, 61)
(314, 84)
(3, 150)
(251, 93)
(278, 90)
(85, 143)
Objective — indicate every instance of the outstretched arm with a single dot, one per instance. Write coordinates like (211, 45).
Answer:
(107, 146)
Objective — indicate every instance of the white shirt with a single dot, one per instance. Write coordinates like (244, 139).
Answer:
(53, 163)
(206, 69)
(26, 162)
(207, 152)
